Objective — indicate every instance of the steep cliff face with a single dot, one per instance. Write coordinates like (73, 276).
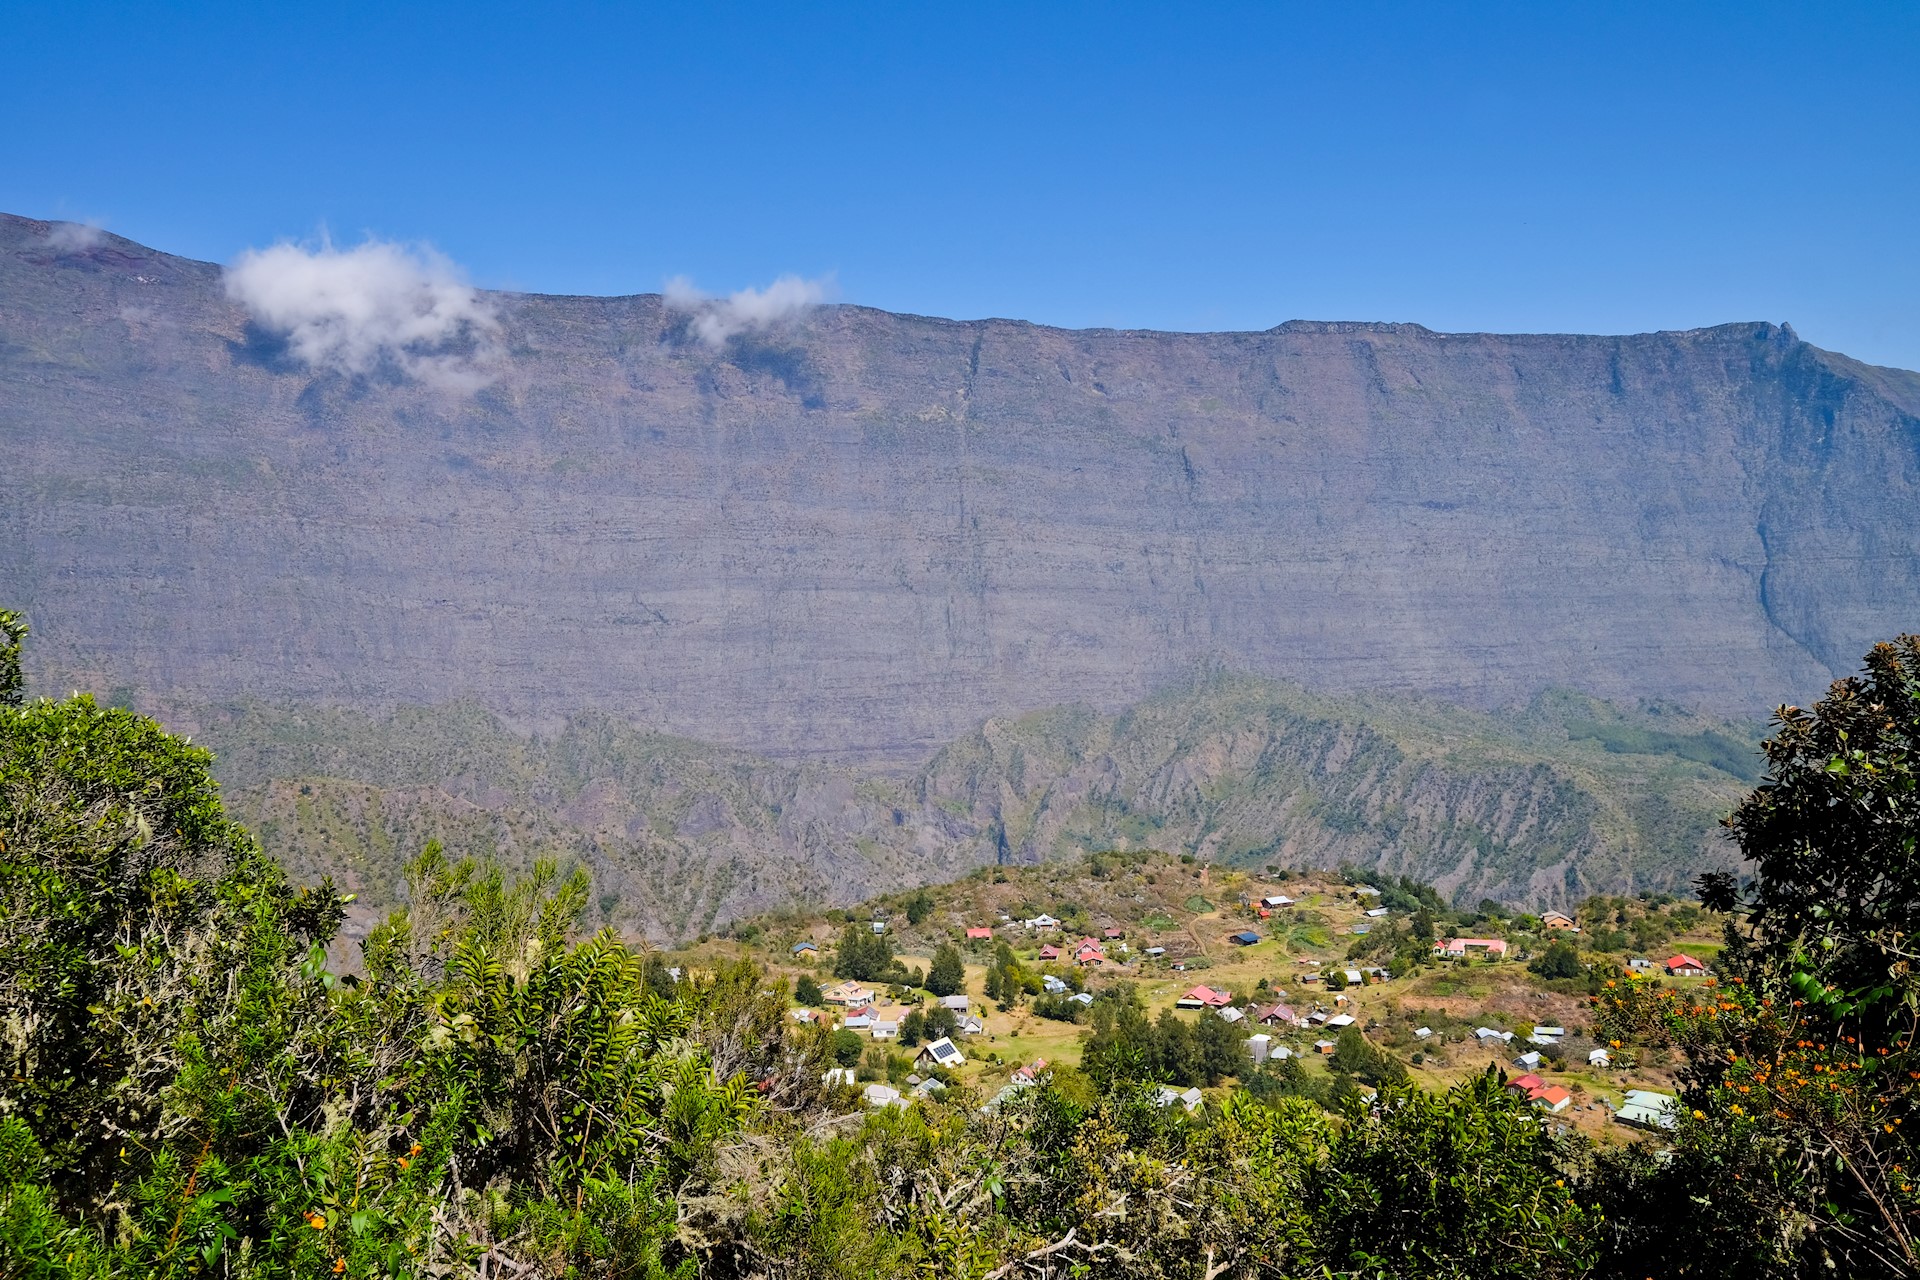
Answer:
(860, 536)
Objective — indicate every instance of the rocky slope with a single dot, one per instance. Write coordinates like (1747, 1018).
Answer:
(1540, 807)
(861, 535)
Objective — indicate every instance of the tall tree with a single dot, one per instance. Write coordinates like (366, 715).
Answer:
(948, 976)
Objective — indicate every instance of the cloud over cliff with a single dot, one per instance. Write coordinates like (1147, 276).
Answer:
(75, 237)
(354, 311)
(714, 320)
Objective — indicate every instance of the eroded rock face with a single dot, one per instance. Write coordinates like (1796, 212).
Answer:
(860, 536)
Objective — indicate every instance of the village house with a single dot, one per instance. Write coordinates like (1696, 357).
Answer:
(1113, 933)
(958, 1004)
(885, 1029)
(979, 933)
(1274, 1015)
(1204, 998)
(1049, 952)
(1230, 1014)
(847, 993)
(1276, 901)
(1684, 966)
(1461, 948)
(1245, 938)
(1189, 1099)
(1645, 1109)
(1087, 952)
(940, 1053)
(1559, 920)
(1042, 921)
(803, 949)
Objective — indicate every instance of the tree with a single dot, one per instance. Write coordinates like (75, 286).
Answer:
(948, 976)
(13, 634)
(1335, 980)
(863, 955)
(941, 1022)
(847, 1047)
(806, 990)
(1561, 959)
(1220, 1049)
(919, 906)
(913, 1028)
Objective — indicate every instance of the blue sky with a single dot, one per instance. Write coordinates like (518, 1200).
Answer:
(1578, 167)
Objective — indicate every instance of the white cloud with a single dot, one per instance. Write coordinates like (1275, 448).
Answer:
(356, 310)
(75, 237)
(750, 310)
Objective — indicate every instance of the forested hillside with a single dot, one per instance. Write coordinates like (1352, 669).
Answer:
(1541, 806)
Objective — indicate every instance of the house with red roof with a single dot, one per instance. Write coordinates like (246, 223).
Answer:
(980, 933)
(1684, 966)
(1049, 952)
(1113, 933)
(1204, 997)
(1461, 948)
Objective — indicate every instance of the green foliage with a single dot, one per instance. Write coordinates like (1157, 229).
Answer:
(1561, 959)
(864, 955)
(948, 975)
(806, 991)
(919, 906)
(13, 635)
(189, 1089)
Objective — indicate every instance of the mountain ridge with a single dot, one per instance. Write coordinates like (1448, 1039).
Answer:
(857, 536)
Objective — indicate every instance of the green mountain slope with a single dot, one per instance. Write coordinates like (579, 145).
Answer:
(1539, 806)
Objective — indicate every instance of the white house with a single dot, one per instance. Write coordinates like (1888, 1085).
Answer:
(1258, 1045)
(883, 1095)
(1230, 1014)
(1421, 1033)
(885, 1030)
(1340, 1020)
(1042, 921)
(1377, 912)
(1599, 1058)
(1168, 1095)
(941, 1053)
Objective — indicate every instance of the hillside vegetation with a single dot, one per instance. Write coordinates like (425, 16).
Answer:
(188, 1088)
(1541, 806)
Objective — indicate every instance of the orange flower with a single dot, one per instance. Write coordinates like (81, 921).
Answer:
(339, 1265)
(318, 1221)
(404, 1162)
(415, 1149)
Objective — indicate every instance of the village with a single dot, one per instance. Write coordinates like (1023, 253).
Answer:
(1290, 961)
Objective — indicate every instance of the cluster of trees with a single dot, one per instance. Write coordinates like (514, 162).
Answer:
(866, 956)
(1008, 981)
(187, 1089)
(1126, 1047)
